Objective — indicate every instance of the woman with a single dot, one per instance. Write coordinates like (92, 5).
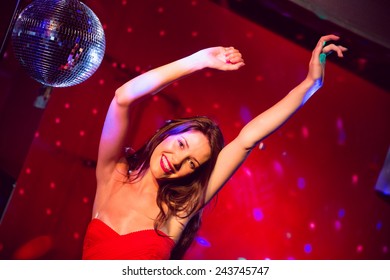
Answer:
(148, 204)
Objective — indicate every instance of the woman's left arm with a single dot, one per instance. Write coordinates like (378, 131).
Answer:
(232, 156)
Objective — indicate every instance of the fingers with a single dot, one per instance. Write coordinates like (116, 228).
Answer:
(333, 48)
(322, 49)
(233, 56)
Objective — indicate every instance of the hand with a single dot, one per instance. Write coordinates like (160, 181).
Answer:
(221, 58)
(317, 61)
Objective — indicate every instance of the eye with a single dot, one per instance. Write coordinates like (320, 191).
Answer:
(192, 164)
(181, 145)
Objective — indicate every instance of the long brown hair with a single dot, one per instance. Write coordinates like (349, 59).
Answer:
(182, 195)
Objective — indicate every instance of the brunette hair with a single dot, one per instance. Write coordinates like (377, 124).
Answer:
(186, 194)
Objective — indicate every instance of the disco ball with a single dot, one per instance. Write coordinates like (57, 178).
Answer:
(60, 43)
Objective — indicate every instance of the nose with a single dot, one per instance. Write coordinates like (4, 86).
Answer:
(178, 159)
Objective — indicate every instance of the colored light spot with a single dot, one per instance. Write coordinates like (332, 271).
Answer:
(188, 110)
(247, 171)
(57, 120)
(258, 214)
(278, 167)
(36, 135)
(58, 143)
(339, 123)
(259, 78)
(355, 179)
(288, 235)
(341, 213)
(52, 185)
(85, 200)
(67, 105)
(262, 146)
(203, 242)
(241, 258)
(28, 170)
(48, 211)
(94, 111)
(305, 132)
(385, 249)
(82, 133)
(379, 225)
(194, 33)
(290, 258)
(245, 114)
(342, 137)
(216, 106)
(312, 226)
(337, 225)
(208, 74)
(301, 183)
(21, 192)
(308, 248)
(359, 248)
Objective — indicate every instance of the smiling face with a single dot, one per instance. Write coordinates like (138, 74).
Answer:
(180, 155)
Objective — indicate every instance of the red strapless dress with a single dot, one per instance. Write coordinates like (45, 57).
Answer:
(101, 242)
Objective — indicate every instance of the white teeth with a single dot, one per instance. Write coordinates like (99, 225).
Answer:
(166, 165)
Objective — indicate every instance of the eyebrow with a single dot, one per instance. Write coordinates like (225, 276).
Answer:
(188, 146)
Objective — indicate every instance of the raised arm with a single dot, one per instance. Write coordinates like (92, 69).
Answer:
(232, 156)
(116, 126)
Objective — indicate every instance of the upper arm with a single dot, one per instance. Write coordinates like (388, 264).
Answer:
(229, 160)
(112, 140)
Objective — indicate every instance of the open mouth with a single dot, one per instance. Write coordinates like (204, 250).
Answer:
(165, 165)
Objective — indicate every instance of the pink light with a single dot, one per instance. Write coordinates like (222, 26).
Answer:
(48, 211)
(312, 226)
(337, 225)
(249, 34)
(76, 235)
(82, 133)
(57, 120)
(305, 132)
(52, 185)
(36, 134)
(216, 106)
(355, 179)
(67, 105)
(259, 78)
(58, 143)
(28, 170)
(359, 248)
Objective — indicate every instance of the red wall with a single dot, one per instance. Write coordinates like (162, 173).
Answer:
(309, 194)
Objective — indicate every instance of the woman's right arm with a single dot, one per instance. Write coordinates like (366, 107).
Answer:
(116, 125)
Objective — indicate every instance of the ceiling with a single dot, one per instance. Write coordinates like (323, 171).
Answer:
(362, 24)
